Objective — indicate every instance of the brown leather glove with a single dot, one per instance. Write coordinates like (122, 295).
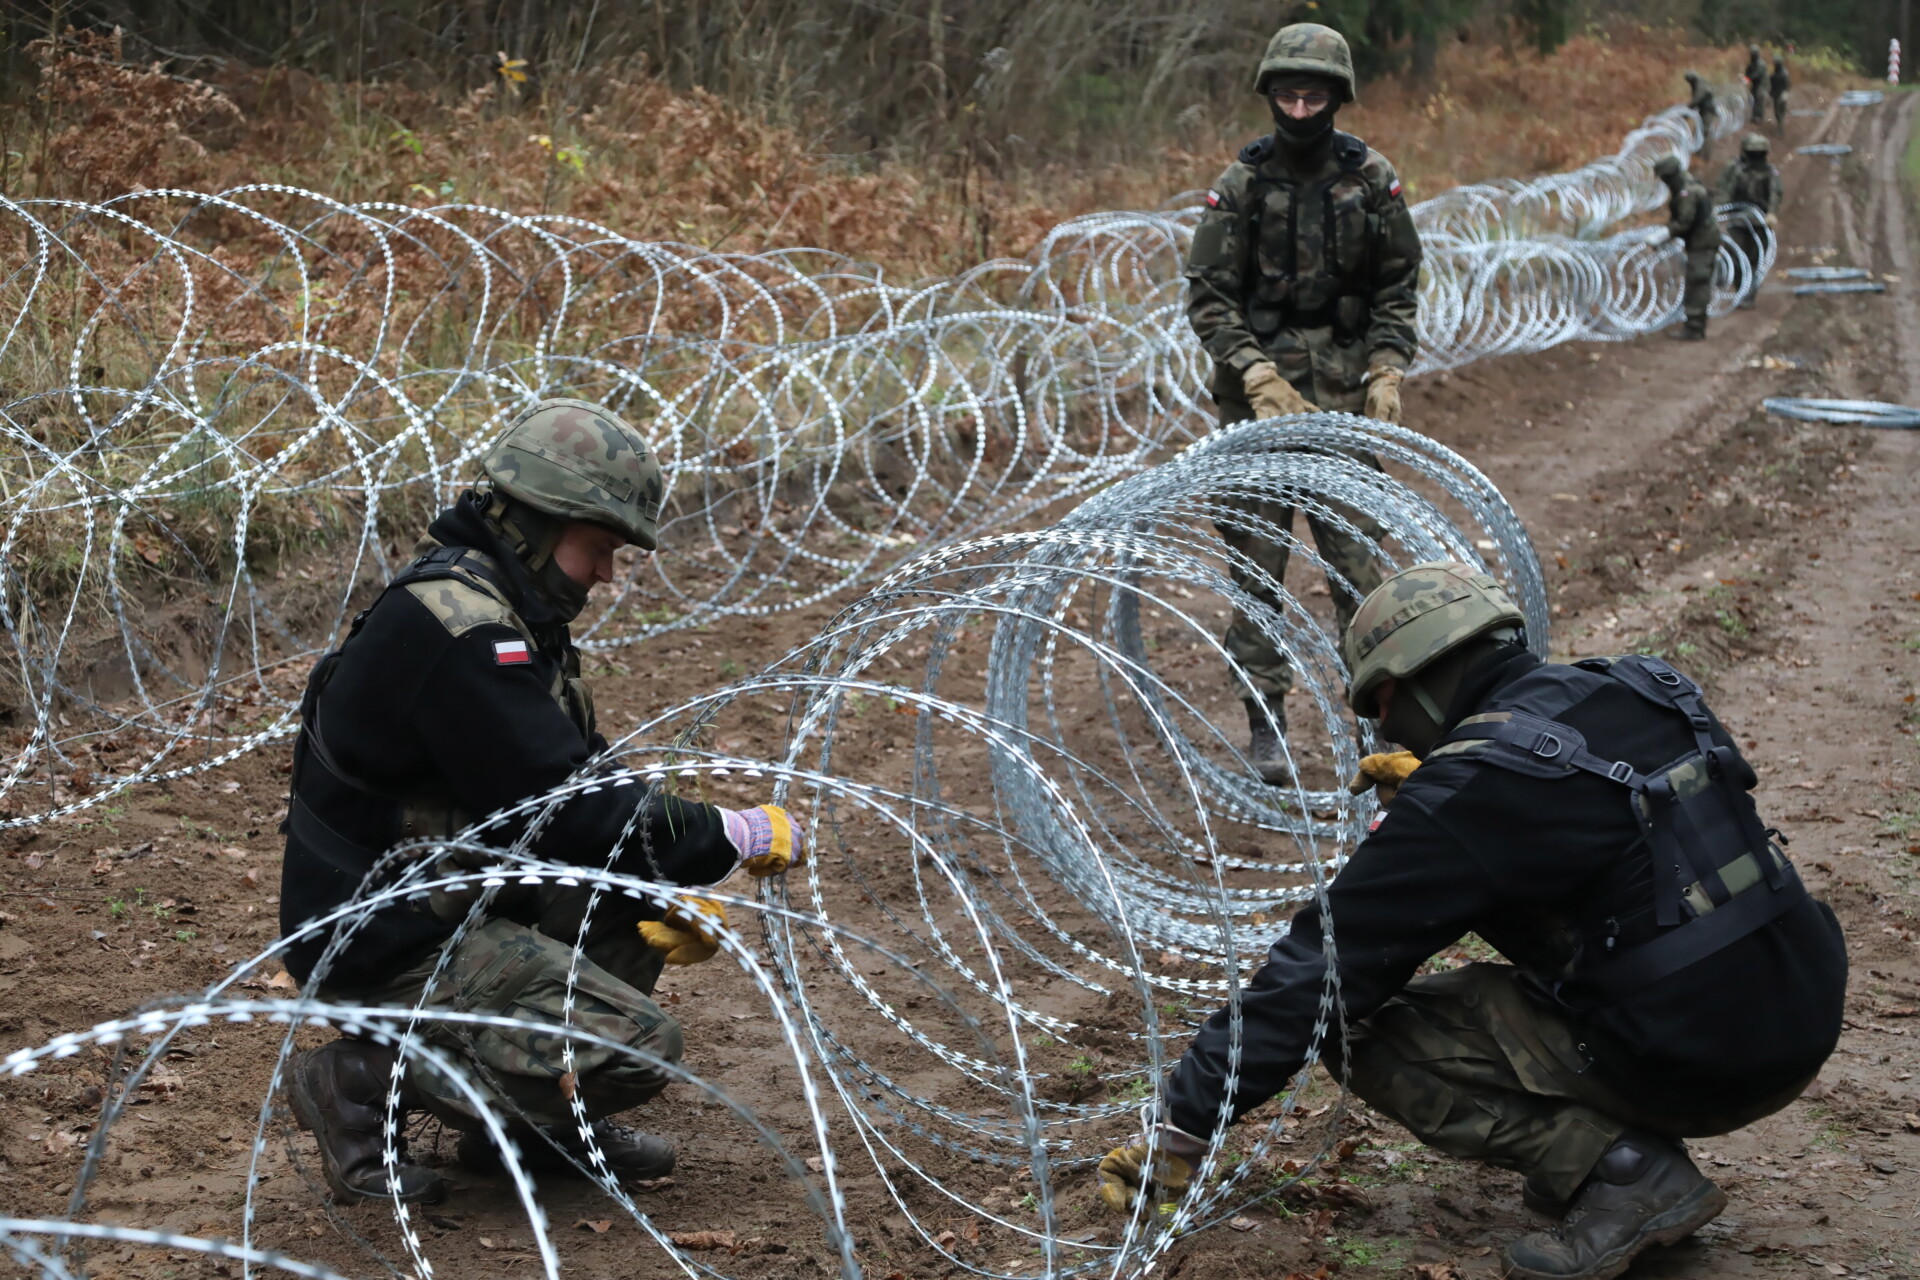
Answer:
(1271, 395)
(1383, 772)
(1383, 393)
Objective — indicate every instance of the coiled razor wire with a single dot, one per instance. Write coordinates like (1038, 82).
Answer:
(1014, 920)
(1863, 413)
(263, 394)
(1826, 273)
(996, 950)
(1862, 98)
(1835, 149)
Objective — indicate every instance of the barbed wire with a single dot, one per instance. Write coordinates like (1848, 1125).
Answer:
(1012, 479)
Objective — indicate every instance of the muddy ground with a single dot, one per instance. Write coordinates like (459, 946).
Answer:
(1773, 559)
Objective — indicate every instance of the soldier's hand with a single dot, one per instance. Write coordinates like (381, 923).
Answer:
(1773, 220)
(1271, 395)
(687, 934)
(768, 839)
(1125, 1175)
(1383, 772)
(1383, 393)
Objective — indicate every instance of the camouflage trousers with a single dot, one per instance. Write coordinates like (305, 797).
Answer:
(1346, 557)
(518, 968)
(1477, 1066)
(1747, 244)
(1780, 110)
(1699, 288)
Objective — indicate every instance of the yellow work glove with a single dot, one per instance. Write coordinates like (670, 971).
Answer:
(1383, 393)
(687, 934)
(1383, 771)
(1773, 220)
(1271, 395)
(1124, 1176)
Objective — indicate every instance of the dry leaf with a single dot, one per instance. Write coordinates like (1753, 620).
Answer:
(703, 1239)
(1243, 1224)
(568, 1082)
(817, 1164)
(599, 1226)
(282, 981)
(486, 1242)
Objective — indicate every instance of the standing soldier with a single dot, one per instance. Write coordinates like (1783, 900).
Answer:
(1756, 74)
(457, 695)
(1303, 277)
(1750, 179)
(1690, 220)
(1669, 975)
(1703, 107)
(1780, 85)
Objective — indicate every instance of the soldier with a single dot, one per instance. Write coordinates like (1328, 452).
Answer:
(1690, 220)
(1303, 274)
(1756, 74)
(455, 695)
(1751, 180)
(1781, 84)
(1703, 106)
(1670, 975)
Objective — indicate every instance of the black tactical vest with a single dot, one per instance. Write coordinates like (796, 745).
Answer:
(1718, 874)
(1313, 245)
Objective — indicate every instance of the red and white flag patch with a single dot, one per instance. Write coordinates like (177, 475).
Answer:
(1213, 199)
(1394, 190)
(511, 653)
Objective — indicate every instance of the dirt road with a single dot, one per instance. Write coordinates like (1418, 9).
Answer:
(1773, 559)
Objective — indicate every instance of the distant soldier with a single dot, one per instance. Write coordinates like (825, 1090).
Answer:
(1690, 220)
(1756, 74)
(1751, 179)
(1780, 85)
(1303, 274)
(1703, 106)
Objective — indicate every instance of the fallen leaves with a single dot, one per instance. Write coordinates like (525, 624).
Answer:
(599, 1226)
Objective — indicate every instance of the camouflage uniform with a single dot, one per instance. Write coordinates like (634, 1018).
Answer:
(1308, 258)
(1756, 74)
(1690, 220)
(519, 970)
(1703, 106)
(1780, 84)
(1750, 179)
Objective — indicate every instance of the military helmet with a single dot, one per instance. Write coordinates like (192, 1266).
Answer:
(1693, 77)
(1756, 144)
(1416, 617)
(578, 461)
(1754, 50)
(1666, 166)
(1307, 48)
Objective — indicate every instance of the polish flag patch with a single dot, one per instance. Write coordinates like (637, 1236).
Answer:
(1394, 190)
(511, 653)
(1374, 826)
(1213, 199)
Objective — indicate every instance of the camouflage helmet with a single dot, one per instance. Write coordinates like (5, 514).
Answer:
(1308, 49)
(1756, 144)
(578, 461)
(1416, 617)
(1693, 77)
(1666, 166)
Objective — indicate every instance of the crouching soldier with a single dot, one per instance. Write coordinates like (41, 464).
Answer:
(1669, 976)
(457, 694)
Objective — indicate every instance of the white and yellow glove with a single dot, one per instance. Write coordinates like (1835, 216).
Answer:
(687, 934)
(1125, 1175)
(768, 839)
(1383, 393)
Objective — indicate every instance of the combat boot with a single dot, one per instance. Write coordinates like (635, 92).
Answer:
(1644, 1191)
(1265, 746)
(1693, 331)
(631, 1156)
(339, 1094)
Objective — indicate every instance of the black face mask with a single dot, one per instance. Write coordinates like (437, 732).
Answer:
(532, 536)
(1302, 133)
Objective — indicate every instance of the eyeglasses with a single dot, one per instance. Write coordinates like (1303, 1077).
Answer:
(1312, 99)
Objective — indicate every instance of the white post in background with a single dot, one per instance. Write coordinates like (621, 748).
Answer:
(1893, 61)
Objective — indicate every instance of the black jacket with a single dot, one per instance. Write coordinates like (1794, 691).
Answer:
(1532, 864)
(462, 715)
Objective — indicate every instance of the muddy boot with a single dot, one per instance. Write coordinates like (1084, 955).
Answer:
(1264, 747)
(1692, 331)
(632, 1156)
(339, 1094)
(1643, 1192)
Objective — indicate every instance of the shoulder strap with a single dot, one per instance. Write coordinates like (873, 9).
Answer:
(1349, 152)
(1256, 152)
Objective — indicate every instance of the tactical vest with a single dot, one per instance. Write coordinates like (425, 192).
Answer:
(1753, 186)
(1313, 244)
(414, 814)
(1718, 874)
